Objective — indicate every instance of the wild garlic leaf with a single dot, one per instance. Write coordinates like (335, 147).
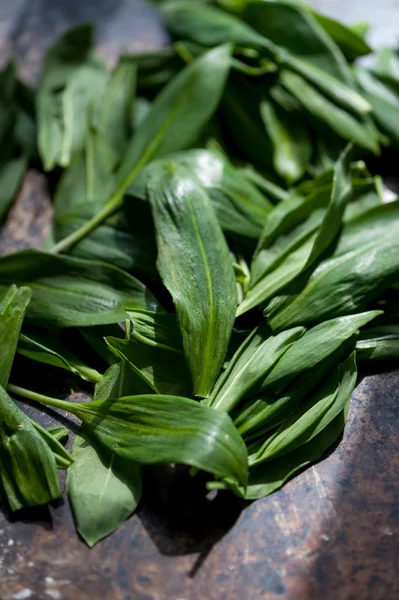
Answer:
(316, 414)
(291, 141)
(360, 131)
(178, 114)
(47, 348)
(351, 44)
(296, 250)
(158, 429)
(103, 489)
(28, 469)
(196, 267)
(349, 281)
(266, 411)
(113, 115)
(13, 307)
(70, 292)
(73, 78)
(315, 345)
(241, 210)
(250, 366)
(52, 437)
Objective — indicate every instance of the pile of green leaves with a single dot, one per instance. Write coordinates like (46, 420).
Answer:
(218, 259)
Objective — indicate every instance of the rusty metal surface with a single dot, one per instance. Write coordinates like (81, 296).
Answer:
(332, 533)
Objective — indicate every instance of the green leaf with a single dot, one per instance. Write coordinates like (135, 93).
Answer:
(336, 118)
(316, 414)
(28, 470)
(13, 306)
(103, 488)
(178, 114)
(351, 44)
(47, 348)
(282, 255)
(241, 210)
(195, 265)
(73, 79)
(113, 117)
(59, 432)
(384, 101)
(263, 413)
(70, 292)
(315, 345)
(250, 366)
(291, 142)
(155, 429)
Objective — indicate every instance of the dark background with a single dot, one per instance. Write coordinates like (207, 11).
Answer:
(331, 534)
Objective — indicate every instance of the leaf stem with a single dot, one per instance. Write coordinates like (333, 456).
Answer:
(29, 395)
(112, 206)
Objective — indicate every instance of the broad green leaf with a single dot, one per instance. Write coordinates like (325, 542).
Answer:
(241, 210)
(351, 44)
(47, 348)
(155, 429)
(250, 366)
(336, 118)
(13, 307)
(291, 142)
(70, 292)
(113, 116)
(196, 267)
(349, 282)
(378, 343)
(178, 114)
(28, 469)
(73, 78)
(103, 489)
(315, 345)
(316, 414)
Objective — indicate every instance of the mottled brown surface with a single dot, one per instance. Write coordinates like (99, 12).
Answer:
(331, 534)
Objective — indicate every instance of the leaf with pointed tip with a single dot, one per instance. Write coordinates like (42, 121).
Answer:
(73, 77)
(103, 489)
(250, 366)
(195, 265)
(70, 292)
(157, 429)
